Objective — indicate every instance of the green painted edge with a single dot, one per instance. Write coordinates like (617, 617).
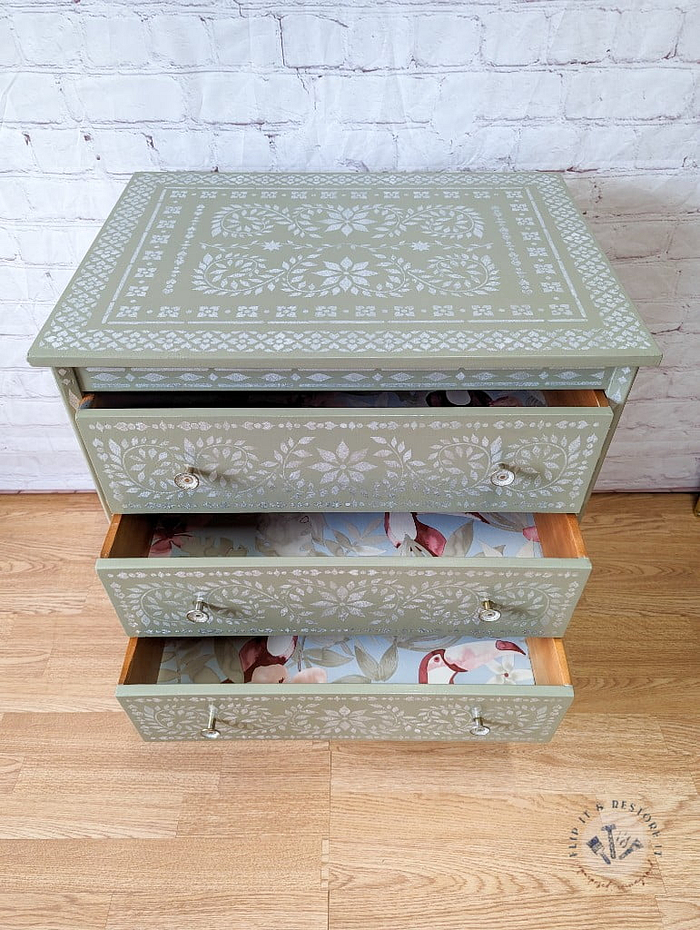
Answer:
(476, 691)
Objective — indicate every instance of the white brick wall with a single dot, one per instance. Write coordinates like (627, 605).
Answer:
(607, 93)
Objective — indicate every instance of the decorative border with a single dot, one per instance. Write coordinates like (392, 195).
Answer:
(536, 601)
(391, 715)
(65, 334)
(213, 379)
(258, 463)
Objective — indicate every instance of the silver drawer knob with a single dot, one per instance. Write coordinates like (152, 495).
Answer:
(478, 727)
(199, 613)
(210, 731)
(186, 480)
(503, 476)
(488, 613)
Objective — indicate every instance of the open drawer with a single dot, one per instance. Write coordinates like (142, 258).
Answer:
(429, 451)
(488, 574)
(173, 690)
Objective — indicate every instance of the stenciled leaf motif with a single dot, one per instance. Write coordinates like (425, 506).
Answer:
(352, 680)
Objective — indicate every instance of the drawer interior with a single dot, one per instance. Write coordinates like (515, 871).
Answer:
(321, 535)
(356, 660)
(143, 400)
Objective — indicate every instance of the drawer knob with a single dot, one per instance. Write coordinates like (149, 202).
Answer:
(186, 480)
(488, 613)
(210, 731)
(199, 613)
(478, 727)
(503, 476)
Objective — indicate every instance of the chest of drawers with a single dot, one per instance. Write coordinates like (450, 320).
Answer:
(344, 421)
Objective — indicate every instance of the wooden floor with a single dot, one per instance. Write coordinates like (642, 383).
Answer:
(101, 830)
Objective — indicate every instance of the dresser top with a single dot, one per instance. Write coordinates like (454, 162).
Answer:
(325, 270)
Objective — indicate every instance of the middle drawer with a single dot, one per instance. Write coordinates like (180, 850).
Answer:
(485, 574)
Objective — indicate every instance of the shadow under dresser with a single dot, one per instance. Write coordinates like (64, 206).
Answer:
(343, 426)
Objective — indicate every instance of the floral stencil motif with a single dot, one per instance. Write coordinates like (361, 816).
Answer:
(388, 716)
(234, 271)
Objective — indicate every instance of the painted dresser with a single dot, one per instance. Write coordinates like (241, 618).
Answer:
(344, 420)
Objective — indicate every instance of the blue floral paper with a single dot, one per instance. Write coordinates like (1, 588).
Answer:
(468, 535)
(346, 660)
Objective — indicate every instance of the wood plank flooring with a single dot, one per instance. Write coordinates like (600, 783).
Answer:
(100, 831)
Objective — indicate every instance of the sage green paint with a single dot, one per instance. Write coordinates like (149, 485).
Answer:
(446, 269)
(515, 713)
(296, 379)
(371, 460)
(380, 595)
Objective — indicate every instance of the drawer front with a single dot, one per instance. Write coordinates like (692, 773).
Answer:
(273, 596)
(393, 460)
(180, 712)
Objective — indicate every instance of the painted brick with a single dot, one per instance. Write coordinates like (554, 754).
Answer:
(581, 35)
(54, 245)
(125, 98)
(486, 147)
(391, 98)
(179, 148)
(689, 278)
(323, 144)
(420, 148)
(646, 35)
(682, 350)
(549, 147)
(242, 148)
(649, 193)
(446, 40)
(16, 148)
(31, 98)
(123, 150)
(247, 40)
(608, 146)
(9, 247)
(689, 43)
(246, 98)
(10, 55)
(66, 198)
(379, 42)
(58, 150)
(496, 96)
(669, 145)
(179, 39)
(48, 38)
(645, 93)
(685, 241)
(648, 280)
(309, 41)
(515, 38)
(662, 316)
(119, 39)
(633, 238)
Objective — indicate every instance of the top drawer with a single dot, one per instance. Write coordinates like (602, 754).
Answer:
(238, 452)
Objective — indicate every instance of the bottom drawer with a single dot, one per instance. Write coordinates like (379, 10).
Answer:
(172, 689)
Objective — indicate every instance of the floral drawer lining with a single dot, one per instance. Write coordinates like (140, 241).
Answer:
(471, 535)
(380, 399)
(345, 660)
